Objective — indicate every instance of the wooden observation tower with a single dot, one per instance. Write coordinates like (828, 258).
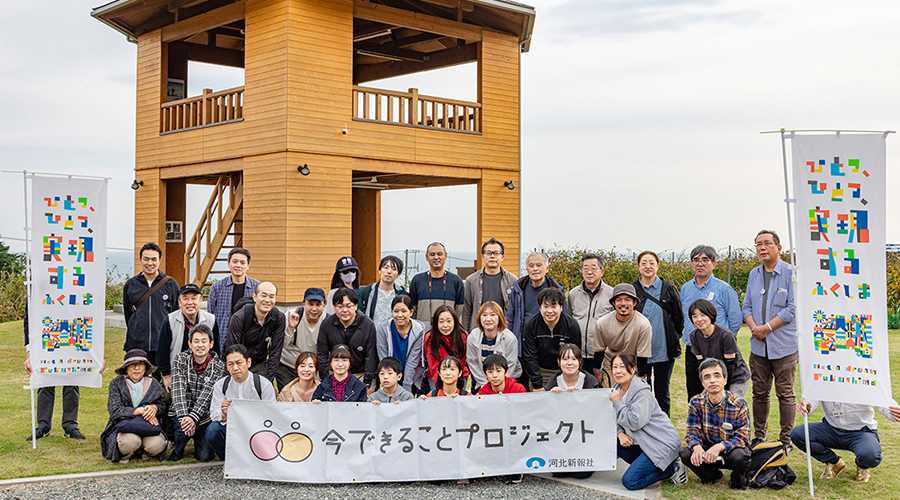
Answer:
(298, 155)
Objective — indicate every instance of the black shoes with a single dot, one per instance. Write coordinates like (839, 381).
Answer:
(74, 433)
(41, 432)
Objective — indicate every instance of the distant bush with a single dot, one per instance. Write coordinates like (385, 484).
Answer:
(12, 296)
(115, 283)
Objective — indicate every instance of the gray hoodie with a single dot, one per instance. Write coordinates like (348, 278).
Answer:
(639, 416)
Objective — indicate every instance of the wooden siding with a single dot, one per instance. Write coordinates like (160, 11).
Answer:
(498, 214)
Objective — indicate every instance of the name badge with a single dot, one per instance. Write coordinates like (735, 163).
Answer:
(710, 295)
(359, 348)
(727, 427)
(838, 411)
(206, 379)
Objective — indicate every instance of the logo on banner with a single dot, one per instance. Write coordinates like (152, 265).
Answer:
(268, 445)
(535, 463)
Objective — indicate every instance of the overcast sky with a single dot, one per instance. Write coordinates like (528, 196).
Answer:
(640, 119)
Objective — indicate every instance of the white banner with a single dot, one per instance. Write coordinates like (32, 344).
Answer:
(841, 299)
(441, 438)
(68, 273)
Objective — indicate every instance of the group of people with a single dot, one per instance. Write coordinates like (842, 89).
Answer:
(492, 333)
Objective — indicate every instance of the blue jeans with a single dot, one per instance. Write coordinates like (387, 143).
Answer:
(864, 443)
(202, 450)
(641, 473)
(215, 438)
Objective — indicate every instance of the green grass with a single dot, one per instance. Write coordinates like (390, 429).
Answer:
(58, 455)
(55, 454)
(884, 483)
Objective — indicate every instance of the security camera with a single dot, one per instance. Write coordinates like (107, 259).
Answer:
(344, 131)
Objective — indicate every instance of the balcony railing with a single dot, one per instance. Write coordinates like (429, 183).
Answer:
(211, 108)
(412, 109)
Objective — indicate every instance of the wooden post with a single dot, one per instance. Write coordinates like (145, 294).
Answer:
(176, 203)
(414, 107)
(206, 111)
(366, 244)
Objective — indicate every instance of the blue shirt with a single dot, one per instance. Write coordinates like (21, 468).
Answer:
(782, 341)
(219, 302)
(532, 308)
(728, 310)
(400, 344)
(658, 349)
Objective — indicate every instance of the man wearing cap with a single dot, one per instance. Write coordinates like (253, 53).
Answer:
(240, 383)
(194, 373)
(173, 335)
(705, 286)
(301, 333)
(225, 293)
(260, 328)
(543, 335)
(625, 331)
(589, 301)
(437, 286)
(148, 298)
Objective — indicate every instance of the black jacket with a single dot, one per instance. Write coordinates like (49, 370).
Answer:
(359, 337)
(263, 342)
(673, 317)
(540, 346)
(145, 322)
(356, 390)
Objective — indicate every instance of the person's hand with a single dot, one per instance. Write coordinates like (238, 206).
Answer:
(571, 388)
(28, 362)
(712, 453)
(317, 401)
(539, 390)
(760, 332)
(167, 382)
(556, 389)
(102, 365)
(293, 319)
(894, 412)
(454, 395)
(625, 440)
(803, 407)
(697, 455)
(139, 410)
(396, 402)
(225, 405)
(615, 395)
(150, 413)
(423, 397)
(188, 426)
(369, 390)
(377, 403)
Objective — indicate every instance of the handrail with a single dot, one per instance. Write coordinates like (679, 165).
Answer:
(414, 109)
(209, 108)
(207, 240)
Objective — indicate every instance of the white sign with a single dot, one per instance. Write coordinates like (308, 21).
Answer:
(68, 292)
(441, 438)
(841, 299)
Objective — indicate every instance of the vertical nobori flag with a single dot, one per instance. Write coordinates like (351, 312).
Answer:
(68, 273)
(841, 301)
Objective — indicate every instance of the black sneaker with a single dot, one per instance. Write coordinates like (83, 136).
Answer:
(74, 433)
(39, 432)
(756, 441)
(514, 479)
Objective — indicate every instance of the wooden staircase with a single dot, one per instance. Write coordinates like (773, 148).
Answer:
(220, 219)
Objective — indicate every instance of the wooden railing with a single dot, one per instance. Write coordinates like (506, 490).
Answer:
(215, 224)
(207, 109)
(411, 108)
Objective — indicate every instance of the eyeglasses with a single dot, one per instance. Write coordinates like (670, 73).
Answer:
(493, 253)
(344, 306)
(765, 244)
(701, 260)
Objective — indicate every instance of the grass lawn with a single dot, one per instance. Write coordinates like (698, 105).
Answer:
(55, 454)
(883, 485)
(58, 455)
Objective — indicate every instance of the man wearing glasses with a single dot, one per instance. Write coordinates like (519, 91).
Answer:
(347, 326)
(769, 312)
(491, 283)
(587, 302)
(706, 286)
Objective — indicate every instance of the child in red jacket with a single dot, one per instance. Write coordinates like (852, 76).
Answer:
(495, 368)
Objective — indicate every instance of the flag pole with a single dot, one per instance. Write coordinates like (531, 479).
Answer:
(787, 204)
(27, 300)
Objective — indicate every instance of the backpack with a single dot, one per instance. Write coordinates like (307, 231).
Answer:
(257, 383)
(241, 303)
(774, 477)
(765, 456)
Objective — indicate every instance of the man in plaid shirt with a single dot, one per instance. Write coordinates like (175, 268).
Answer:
(718, 429)
(224, 294)
(194, 374)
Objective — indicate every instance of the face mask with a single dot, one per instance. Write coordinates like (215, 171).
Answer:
(348, 277)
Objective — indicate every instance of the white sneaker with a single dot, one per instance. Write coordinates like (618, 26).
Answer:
(680, 476)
